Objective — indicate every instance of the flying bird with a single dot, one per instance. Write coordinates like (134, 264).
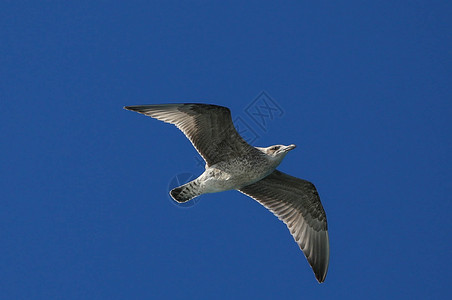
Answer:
(233, 164)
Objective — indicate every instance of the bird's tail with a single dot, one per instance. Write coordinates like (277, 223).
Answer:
(186, 192)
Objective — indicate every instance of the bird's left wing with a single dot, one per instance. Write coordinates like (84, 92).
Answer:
(296, 202)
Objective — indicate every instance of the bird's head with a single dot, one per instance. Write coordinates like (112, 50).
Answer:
(277, 152)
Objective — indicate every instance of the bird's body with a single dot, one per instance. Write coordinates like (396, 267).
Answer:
(231, 163)
(235, 173)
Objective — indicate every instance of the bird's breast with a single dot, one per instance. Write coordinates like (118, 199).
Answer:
(235, 174)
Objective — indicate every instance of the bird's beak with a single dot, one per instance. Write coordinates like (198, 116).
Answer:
(290, 147)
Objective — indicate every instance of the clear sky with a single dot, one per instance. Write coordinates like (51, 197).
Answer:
(363, 88)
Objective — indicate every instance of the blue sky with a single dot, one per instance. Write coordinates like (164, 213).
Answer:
(364, 91)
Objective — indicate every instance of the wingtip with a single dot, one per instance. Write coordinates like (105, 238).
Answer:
(320, 278)
(136, 108)
(320, 274)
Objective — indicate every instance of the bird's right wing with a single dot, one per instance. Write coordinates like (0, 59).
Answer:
(296, 202)
(208, 127)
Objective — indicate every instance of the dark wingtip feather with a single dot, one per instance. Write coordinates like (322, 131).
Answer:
(320, 276)
(133, 108)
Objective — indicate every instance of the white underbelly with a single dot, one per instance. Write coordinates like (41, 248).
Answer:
(214, 180)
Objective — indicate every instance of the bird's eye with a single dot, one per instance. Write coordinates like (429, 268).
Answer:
(275, 148)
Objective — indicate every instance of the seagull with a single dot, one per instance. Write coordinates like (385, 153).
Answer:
(233, 164)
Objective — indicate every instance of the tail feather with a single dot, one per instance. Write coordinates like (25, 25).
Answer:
(186, 192)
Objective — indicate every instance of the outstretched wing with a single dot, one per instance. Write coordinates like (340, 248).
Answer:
(208, 127)
(296, 202)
